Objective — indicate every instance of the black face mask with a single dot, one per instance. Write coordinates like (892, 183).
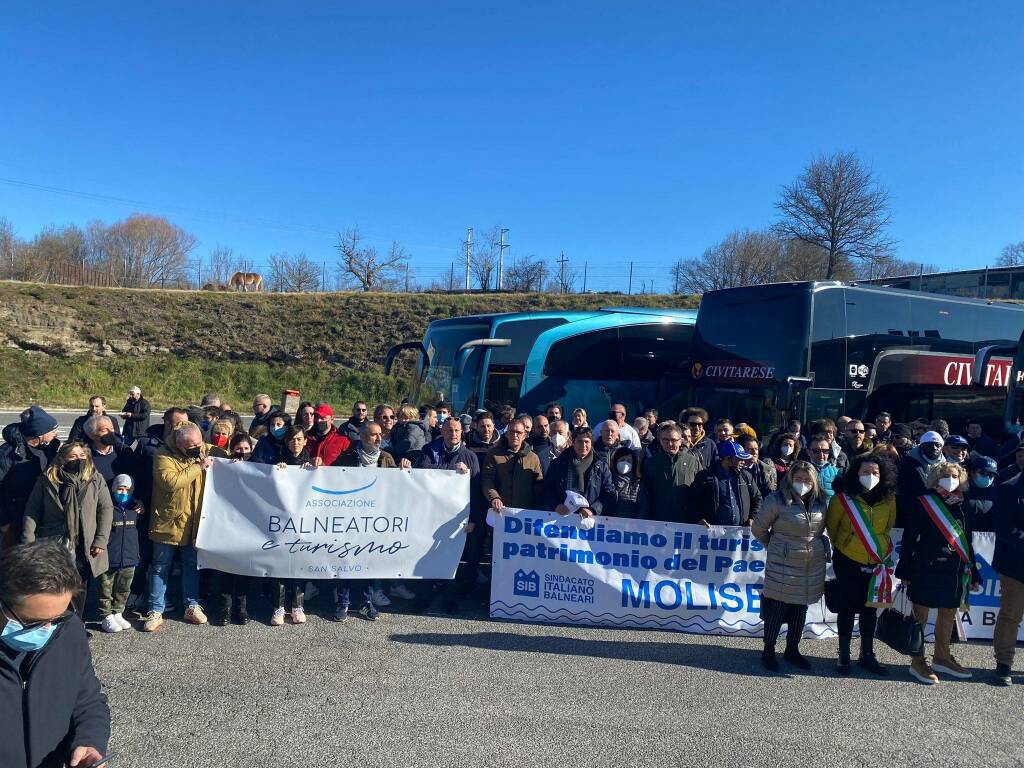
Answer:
(322, 427)
(73, 467)
(241, 455)
(108, 439)
(194, 453)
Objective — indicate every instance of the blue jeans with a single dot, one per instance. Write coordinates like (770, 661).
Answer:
(160, 569)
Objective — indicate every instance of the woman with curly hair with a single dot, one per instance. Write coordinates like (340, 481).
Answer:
(860, 516)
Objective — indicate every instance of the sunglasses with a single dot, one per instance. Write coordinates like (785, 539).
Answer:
(856, 431)
(695, 423)
(820, 450)
(36, 624)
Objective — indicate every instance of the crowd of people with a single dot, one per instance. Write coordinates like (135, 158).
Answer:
(124, 501)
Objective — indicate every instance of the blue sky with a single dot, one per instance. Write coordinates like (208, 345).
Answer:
(615, 132)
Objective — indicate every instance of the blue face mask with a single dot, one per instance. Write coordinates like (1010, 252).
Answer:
(277, 432)
(18, 638)
(205, 424)
(122, 498)
(983, 481)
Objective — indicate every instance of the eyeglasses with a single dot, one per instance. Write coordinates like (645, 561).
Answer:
(820, 450)
(36, 624)
(387, 418)
(517, 432)
(360, 410)
(695, 423)
(856, 431)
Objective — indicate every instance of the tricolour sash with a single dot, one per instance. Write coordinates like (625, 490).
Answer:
(880, 585)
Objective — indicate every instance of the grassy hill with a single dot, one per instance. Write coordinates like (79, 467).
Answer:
(62, 344)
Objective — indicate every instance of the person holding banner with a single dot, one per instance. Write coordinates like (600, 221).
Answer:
(860, 516)
(294, 454)
(937, 565)
(791, 525)
(581, 469)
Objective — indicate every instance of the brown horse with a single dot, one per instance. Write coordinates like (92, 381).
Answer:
(245, 281)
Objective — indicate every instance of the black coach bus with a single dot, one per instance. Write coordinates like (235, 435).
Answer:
(763, 354)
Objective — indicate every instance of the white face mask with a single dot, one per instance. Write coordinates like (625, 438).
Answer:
(868, 481)
(624, 467)
(802, 489)
(949, 483)
(558, 440)
(786, 449)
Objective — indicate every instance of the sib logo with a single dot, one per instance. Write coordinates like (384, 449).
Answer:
(526, 584)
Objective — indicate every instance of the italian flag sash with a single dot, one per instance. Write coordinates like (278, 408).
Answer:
(948, 526)
(880, 585)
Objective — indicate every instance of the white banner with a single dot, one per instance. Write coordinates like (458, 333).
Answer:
(332, 522)
(641, 573)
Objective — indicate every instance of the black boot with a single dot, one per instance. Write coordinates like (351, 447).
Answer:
(793, 655)
(222, 607)
(1002, 675)
(867, 658)
(240, 614)
(843, 665)
(768, 660)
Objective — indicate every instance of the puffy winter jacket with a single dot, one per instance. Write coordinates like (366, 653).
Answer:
(793, 534)
(597, 483)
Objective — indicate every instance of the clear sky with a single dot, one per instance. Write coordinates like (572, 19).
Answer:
(616, 132)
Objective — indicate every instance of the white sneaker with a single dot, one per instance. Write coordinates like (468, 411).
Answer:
(111, 624)
(379, 598)
(120, 619)
(402, 592)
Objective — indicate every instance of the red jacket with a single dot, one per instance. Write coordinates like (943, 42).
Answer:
(327, 447)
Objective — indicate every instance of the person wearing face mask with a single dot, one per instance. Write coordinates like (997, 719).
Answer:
(859, 520)
(325, 444)
(627, 471)
(109, 455)
(726, 494)
(819, 454)
(30, 445)
(269, 447)
(937, 565)
(580, 468)
(980, 494)
(241, 447)
(52, 709)
(791, 525)
(71, 503)
(114, 586)
(179, 479)
(560, 439)
(97, 407)
(220, 437)
(783, 453)
(914, 472)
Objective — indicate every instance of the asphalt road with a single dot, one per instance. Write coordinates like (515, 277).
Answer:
(435, 690)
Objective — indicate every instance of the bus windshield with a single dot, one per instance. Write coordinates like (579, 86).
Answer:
(437, 379)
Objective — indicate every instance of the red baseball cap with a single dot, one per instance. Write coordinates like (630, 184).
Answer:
(324, 411)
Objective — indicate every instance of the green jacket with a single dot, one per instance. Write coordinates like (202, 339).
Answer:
(515, 478)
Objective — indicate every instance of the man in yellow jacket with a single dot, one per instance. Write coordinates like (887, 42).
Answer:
(179, 478)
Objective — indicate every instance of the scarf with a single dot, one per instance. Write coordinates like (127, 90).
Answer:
(66, 495)
(450, 453)
(367, 458)
(581, 466)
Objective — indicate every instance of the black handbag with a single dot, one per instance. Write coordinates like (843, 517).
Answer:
(834, 599)
(900, 632)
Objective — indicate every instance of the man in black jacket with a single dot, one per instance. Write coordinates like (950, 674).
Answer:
(97, 407)
(725, 493)
(136, 413)
(52, 711)
(30, 445)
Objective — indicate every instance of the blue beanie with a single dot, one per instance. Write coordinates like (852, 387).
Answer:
(35, 422)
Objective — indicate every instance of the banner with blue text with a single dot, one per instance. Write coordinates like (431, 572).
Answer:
(332, 522)
(641, 573)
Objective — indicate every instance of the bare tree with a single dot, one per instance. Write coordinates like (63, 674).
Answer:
(563, 276)
(742, 258)
(365, 268)
(220, 265)
(526, 275)
(296, 273)
(837, 205)
(9, 248)
(892, 267)
(484, 258)
(149, 249)
(1012, 255)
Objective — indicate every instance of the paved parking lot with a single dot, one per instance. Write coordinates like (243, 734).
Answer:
(435, 690)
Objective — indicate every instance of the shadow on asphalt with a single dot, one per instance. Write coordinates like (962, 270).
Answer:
(740, 661)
